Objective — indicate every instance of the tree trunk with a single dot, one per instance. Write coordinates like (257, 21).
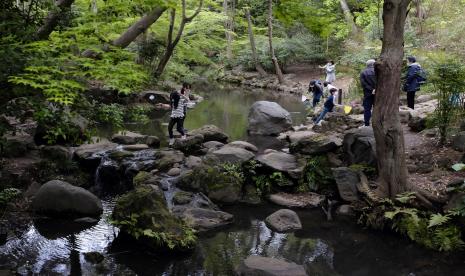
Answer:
(278, 71)
(386, 123)
(257, 64)
(228, 30)
(171, 44)
(139, 27)
(52, 19)
(348, 16)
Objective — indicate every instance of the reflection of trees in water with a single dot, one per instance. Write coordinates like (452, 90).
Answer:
(224, 251)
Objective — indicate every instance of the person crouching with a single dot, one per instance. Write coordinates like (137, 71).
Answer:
(328, 106)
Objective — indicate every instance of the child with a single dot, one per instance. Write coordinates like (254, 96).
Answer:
(328, 105)
(177, 104)
(315, 88)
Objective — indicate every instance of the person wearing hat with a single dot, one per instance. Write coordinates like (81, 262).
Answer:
(411, 84)
(368, 82)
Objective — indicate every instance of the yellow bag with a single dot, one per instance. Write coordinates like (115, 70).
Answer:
(347, 109)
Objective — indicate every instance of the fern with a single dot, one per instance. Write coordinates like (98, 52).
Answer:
(438, 220)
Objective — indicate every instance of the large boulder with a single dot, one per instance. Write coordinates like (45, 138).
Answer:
(347, 181)
(59, 198)
(132, 138)
(281, 162)
(154, 97)
(218, 184)
(89, 155)
(166, 159)
(265, 266)
(283, 220)
(243, 145)
(360, 147)
(296, 136)
(210, 133)
(301, 200)
(316, 144)
(231, 154)
(268, 118)
(190, 144)
(17, 145)
(458, 143)
(152, 224)
(202, 219)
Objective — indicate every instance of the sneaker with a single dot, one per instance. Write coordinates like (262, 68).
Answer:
(364, 126)
(183, 137)
(171, 142)
(319, 123)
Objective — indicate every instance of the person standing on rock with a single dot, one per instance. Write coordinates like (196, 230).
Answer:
(177, 103)
(317, 90)
(368, 82)
(185, 92)
(328, 106)
(330, 69)
(412, 83)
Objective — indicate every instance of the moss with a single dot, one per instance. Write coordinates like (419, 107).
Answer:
(142, 214)
(119, 155)
(141, 178)
(182, 197)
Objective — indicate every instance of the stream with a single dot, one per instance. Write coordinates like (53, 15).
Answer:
(339, 247)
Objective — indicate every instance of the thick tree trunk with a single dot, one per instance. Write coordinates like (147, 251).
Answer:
(52, 19)
(257, 64)
(386, 123)
(348, 16)
(139, 27)
(278, 71)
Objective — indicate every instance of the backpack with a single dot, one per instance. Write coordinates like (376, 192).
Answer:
(421, 76)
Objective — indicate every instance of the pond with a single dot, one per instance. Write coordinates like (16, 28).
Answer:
(225, 106)
(326, 248)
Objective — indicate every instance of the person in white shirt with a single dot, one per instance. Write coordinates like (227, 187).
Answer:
(330, 69)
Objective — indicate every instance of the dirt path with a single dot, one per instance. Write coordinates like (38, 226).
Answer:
(304, 73)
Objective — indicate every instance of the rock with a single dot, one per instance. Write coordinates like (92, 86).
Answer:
(203, 220)
(189, 145)
(417, 123)
(228, 154)
(56, 153)
(166, 159)
(210, 133)
(132, 138)
(89, 155)
(317, 144)
(405, 116)
(458, 143)
(213, 181)
(17, 145)
(295, 137)
(281, 162)
(58, 198)
(120, 155)
(360, 147)
(243, 145)
(174, 172)
(432, 132)
(86, 220)
(423, 98)
(93, 257)
(145, 208)
(345, 210)
(257, 265)
(283, 220)
(146, 178)
(193, 162)
(302, 200)
(136, 147)
(182, 198)
(347, 181)
(213, 145)
(268, 118)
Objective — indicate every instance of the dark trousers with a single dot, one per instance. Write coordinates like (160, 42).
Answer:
(368, 102)
(179, 126)
(316, 99)
(411, 99)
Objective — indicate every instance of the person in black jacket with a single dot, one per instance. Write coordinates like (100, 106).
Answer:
(412, 84)
(317, 90)
(368, 81)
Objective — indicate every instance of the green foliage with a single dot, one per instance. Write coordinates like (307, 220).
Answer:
(317, 176)
(264, 182)
(7, 195)
(448, 78)
(111, 114)
(137, 114)
(233, 170)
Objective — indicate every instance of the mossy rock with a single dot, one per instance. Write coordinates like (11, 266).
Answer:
(182, 197)
(119, 155)
(218, 184)
(142, 213)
